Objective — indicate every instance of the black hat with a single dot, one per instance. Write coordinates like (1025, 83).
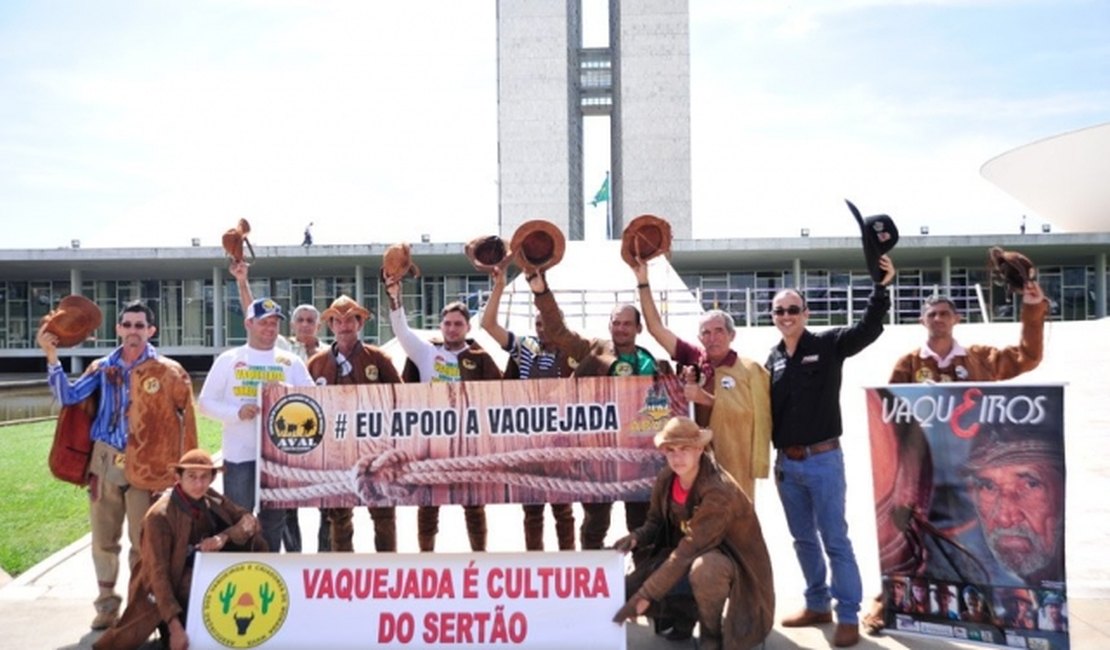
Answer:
(879, 237)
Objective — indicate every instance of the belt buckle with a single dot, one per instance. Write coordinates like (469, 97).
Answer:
(795, 452)
(119, 460)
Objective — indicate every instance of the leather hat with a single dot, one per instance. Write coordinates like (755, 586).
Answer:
(645, 237)
(879, 237)
(683, 431)
(344, 306)
(197, 459)
(537, 245)
(1011, 268)
(235, 238)
(74, 320)
(485, 253)
(397, 263)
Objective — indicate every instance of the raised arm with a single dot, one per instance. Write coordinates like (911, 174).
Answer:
(652, 319)
(555, 329)
(239, 271)
(493, 305)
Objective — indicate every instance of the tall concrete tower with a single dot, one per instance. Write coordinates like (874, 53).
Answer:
(548, 83)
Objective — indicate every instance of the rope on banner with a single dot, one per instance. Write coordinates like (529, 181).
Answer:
(388, 474)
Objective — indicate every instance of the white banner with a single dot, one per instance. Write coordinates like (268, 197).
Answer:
(426, 600)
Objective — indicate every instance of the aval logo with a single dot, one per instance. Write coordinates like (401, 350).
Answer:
(245, 605)
(296, 424)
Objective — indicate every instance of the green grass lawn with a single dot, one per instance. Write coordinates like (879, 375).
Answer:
(38, 513)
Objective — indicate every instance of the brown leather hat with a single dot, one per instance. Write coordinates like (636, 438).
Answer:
(197, 459)
(645, 237)
(683, 431)
(235, 238)
(485, 253)
(75, 319)
(537, 245)
(397, 263)
(342, 306)
(1011, 268)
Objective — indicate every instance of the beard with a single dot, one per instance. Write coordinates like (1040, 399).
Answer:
(1022, 562)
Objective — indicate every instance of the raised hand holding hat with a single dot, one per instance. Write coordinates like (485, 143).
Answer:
(879, 236)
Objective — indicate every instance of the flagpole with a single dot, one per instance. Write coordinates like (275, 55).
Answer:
(608, 208)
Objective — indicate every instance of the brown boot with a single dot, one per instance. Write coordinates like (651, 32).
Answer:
(427, 525)
(595, 524)
(807, 618)
(533, 527)
(342, 529)
(107, 610)
(385, 529)
(476, 526)
(847, 634)
(564, 525)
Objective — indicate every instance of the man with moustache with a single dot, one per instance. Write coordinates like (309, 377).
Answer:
(230, 395)
(455, 358)
(350, 361)
(144, 421)
(806, 370)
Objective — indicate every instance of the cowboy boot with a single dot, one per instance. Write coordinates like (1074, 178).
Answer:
(342, 529)
(427, 525)
(564, 525)
(385, 529)
(476, 526)
(533, 527)
(595, 524)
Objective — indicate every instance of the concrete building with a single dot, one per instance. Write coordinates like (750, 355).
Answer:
(548, 83)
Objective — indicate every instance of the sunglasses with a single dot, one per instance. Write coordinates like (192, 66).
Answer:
(793, 310)
(127, 324)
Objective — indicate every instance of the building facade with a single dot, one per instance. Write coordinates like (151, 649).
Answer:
(198, 313)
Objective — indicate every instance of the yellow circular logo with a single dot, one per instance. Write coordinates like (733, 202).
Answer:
(296, 424)
(245, 605)
(151, 385)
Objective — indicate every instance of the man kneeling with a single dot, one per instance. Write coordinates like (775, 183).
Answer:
(190, 517)
(706, 547)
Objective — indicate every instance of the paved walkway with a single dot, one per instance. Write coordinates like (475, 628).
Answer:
(49, 606)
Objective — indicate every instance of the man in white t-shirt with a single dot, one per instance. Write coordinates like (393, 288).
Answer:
(230, 395)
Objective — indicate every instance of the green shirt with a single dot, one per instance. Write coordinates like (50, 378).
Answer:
(639, 362)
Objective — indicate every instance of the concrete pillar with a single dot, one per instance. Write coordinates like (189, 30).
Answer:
(1100, 285)
(358, 284)
(946, 275)
(217, 308)
(798, 284)
(77, 364)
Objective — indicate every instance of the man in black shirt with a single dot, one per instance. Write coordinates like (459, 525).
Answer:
(806, 370)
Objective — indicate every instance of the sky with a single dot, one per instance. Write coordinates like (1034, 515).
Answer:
(151, 123)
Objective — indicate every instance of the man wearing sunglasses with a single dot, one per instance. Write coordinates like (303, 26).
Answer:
(806, 370)
(144, 422)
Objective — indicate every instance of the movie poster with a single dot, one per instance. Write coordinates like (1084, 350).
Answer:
(969, 503)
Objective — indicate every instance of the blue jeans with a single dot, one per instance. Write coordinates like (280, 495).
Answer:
(239, 482)
(813, 493)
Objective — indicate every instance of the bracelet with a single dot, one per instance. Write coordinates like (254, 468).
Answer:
(643, 285)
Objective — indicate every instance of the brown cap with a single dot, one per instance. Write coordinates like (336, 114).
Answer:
(537, 245)
(1011, 268)
(197, 459)
(343, 306)
(485, 253)
(397, 263)
(683, 431)
(645, 237)
(235, 238)
(75, 319)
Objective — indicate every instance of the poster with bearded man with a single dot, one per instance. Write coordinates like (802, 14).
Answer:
(969, 500)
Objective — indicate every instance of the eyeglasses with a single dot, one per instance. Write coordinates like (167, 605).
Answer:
(127, 324)
(793, 310)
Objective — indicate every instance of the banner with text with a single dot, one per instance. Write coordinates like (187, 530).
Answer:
(537, 441)
(969, 502)
(427, 601)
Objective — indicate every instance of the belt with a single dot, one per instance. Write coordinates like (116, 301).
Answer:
(802, 452)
